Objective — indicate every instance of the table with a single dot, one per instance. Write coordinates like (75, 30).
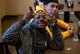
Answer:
(71, 47)
(67, 10)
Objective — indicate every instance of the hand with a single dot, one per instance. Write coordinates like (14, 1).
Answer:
(70, 30)
(28, 16)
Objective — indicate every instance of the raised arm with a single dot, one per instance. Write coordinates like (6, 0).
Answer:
(12, 35)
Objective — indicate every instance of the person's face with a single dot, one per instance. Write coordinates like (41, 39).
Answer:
(41, 21)
(52, 8)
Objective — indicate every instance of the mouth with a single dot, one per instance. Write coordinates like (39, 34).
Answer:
(54, 12)
(41, 24)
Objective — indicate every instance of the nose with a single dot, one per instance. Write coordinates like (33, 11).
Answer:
(41, 19)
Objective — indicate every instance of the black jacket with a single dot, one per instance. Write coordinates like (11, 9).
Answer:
(28, 38)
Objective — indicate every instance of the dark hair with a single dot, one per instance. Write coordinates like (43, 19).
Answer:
(48, 1)
(41, 0)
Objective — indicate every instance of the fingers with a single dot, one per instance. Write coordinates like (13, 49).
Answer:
(70, 28)
(28, 15)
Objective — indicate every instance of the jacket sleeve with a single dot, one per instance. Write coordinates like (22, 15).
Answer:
(57, 42)
(12, 35)
(62, 24)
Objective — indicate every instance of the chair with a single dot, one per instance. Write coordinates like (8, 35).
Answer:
(4, 48)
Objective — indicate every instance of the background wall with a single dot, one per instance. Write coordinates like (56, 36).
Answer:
(2, 14)
(2, 8)
(15, 7)
(24, 6)
(11, 7)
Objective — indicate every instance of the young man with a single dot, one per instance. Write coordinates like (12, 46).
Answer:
(33, 38)
(50, 7)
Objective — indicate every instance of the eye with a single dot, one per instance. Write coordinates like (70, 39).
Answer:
(44, 17)
(37, 16)
(47, 17)
(54, 6)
